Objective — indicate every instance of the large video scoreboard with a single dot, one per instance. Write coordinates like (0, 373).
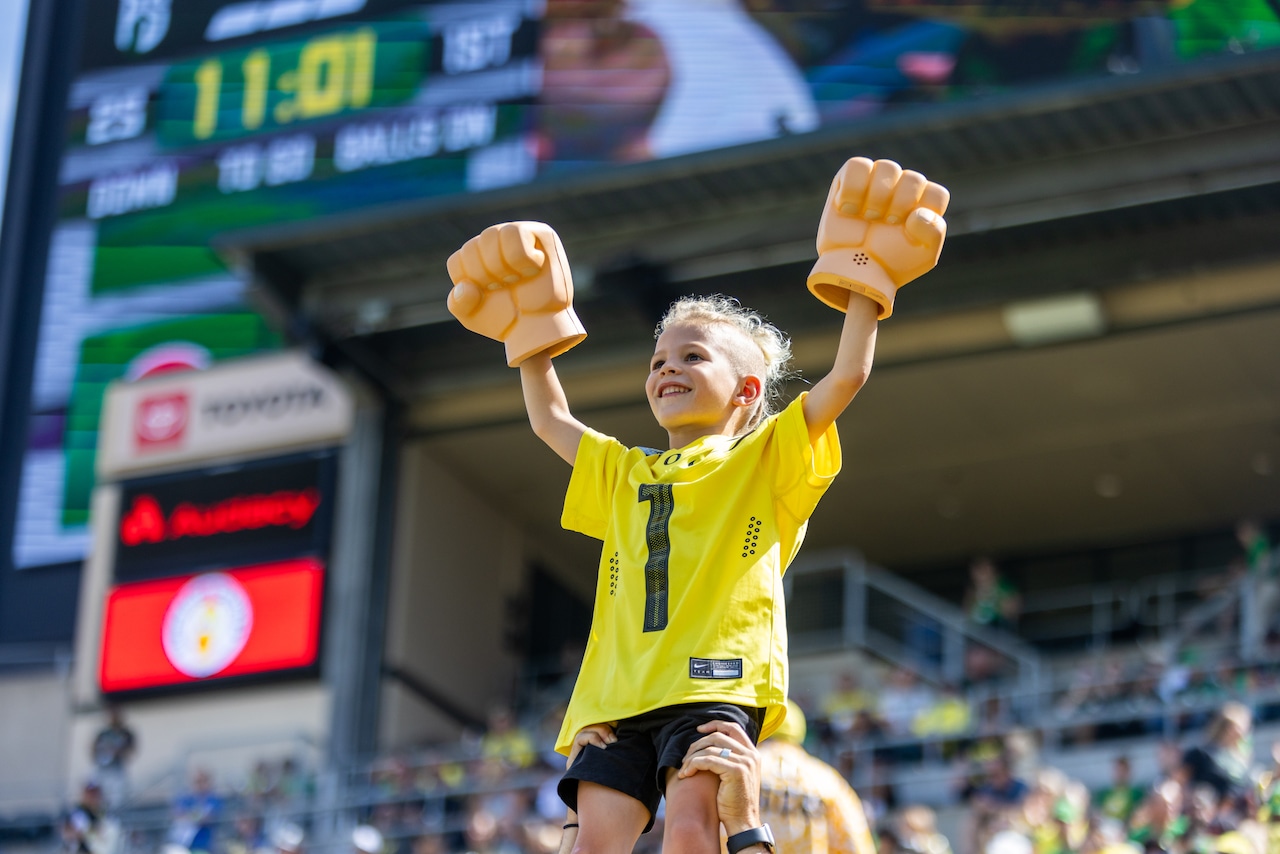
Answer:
(189, 119)
(228, 116)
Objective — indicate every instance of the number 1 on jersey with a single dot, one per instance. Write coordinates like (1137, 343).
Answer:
(658, 539)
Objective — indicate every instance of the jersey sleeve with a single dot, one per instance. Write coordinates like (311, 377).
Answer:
(588, 500)
(802, 469)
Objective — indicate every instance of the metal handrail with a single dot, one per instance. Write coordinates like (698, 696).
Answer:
(1104, 600)
(60, 656)
(177, 771)
(1174, 630)
(1235, 594)
(958, 631)
(1200, 616)
(327, 820)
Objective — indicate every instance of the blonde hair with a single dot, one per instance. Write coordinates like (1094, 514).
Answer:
(774, 346)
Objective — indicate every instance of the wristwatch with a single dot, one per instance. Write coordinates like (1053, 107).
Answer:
(747, 838)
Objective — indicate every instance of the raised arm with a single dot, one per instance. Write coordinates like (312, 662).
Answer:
(511, 283)
(881, 227)
(548, 408)
(829, 397)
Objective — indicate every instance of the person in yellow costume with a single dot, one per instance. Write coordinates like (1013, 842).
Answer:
(809, 806)
(689, 625)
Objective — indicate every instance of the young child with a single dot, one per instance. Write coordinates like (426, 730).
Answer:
(689, 625)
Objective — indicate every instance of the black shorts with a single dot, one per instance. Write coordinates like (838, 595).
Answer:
(647, 745)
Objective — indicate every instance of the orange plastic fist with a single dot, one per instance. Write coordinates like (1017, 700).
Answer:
(511, 283)
(881, 228)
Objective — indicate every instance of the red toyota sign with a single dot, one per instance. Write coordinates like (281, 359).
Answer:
(162, 418)
(161, 421)
(212, 626)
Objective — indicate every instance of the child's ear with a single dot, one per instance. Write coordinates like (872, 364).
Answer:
(749, 391)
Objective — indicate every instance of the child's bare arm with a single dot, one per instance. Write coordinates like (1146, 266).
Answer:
(548, 408)
(829, 397)
(881, 228)
(570, 834)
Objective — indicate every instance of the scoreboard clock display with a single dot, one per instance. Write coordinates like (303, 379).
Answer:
(199, 117)
(253, 117)
(278, 86)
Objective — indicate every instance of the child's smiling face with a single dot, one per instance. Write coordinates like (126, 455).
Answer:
(697, 384)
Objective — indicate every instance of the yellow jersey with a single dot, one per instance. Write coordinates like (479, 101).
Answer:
(689, 604)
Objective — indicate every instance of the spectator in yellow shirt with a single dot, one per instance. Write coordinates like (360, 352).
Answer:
(843, 705)
(507, 743)
(950, 715)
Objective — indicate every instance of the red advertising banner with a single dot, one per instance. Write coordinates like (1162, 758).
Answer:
(261, 511)
(212, 626)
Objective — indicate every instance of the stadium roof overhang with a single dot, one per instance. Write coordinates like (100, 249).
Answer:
(1158, 194)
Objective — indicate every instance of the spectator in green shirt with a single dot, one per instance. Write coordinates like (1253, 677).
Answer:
(1121, 798)
(1261, 587)
(990, 600)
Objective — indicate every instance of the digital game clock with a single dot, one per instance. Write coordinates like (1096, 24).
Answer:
(270, 87)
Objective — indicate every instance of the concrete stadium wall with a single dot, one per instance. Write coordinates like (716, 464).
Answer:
(35, 716)
(223, 731)
(457, 561)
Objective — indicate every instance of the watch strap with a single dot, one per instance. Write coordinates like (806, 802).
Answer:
(747, 838)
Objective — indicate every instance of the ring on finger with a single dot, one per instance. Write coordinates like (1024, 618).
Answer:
(725, 753)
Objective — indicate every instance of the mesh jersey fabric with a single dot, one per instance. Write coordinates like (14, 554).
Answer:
(689, 603)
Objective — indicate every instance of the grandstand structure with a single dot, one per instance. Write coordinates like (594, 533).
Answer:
(1084, 389)
(1132, 215)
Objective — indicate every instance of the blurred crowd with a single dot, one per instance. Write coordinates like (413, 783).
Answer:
(1209, 797)
(895, 716)
(494, 793)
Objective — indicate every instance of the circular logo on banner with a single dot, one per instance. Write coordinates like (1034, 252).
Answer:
(161, 420)
(207, 624)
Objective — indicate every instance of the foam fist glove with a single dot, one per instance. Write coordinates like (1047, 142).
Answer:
(881, 228)
(511, 283)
